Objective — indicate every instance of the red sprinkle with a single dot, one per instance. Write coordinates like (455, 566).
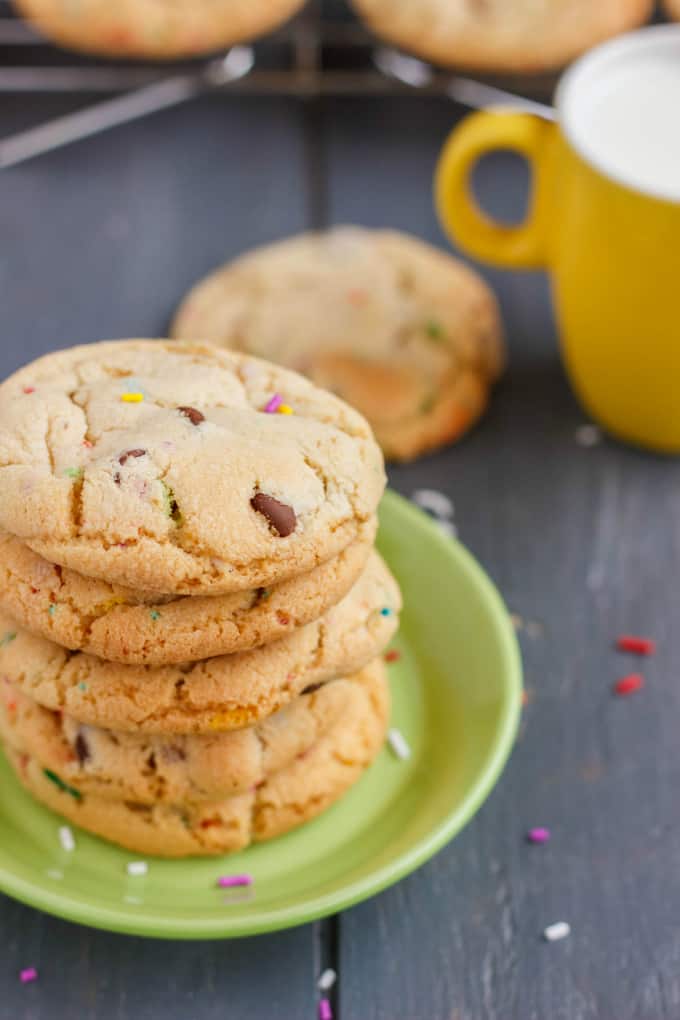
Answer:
(629, 684)
(638, 645)
(29, 389)
(393, 655)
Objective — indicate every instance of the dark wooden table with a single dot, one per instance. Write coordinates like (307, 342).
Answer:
(100, 240)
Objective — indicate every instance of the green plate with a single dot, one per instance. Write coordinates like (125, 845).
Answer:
(456, 693)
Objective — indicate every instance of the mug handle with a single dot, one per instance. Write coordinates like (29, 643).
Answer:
(460, 215)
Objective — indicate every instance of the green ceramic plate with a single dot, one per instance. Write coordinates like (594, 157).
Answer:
(456, 693)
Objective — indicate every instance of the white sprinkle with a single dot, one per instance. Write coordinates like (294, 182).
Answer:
(435, 502)
(55, 874)
(327, 979)
(588, 435)
(397, 742)
(557, 931)
(449, 528)
(66, 839)
(137, 868)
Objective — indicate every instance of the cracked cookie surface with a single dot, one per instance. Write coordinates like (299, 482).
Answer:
(407, 334)
(219, 694)
(177, 769)
(498, 35)
(133, 627)
(154, 29)
(154, 465)
(292, 796)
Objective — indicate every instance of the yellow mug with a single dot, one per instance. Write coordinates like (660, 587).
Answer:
(604, 219)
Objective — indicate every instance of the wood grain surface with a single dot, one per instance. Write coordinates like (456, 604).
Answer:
(100, 240)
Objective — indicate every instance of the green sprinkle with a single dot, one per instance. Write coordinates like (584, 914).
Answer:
(52, 609)
(73, 472)
(263, 594)
(434, 331)
(6, 638)
(170, 506)
(154, 614)
(427, 404)
(385, 611)
(82, 686)
(61, 785)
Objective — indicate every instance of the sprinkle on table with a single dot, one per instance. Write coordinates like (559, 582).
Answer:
(132, 398)
(273, 404)
(588, 435)
(555, 932)
(137, 868)
(636, 645)
(232, 881)
(393, 655)
(629, 684)
(27, 975)
(327, 979)
(398, 744)
(434, 502)
(325, 1011)
(66, 839)
(538, 835)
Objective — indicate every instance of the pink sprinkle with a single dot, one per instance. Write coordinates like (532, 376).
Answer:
(274, 404)
(27, 975)
(325, 1011)
(538, 835)
(87, 443)
(229, 881)
(29, 389)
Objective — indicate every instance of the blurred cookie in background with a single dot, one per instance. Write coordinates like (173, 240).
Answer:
(502, 35)
(407, 334)
(154, 29)
(672, 8)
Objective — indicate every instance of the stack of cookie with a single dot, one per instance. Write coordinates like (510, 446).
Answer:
(186, 563)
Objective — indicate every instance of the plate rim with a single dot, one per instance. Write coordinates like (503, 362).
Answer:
(317, 907)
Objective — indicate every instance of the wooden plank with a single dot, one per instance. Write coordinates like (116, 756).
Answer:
(587, 543)
(101, 240)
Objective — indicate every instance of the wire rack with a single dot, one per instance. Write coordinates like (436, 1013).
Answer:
(323, 51)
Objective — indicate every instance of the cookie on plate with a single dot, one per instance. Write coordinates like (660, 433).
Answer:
(154, 29)
(218, 694)
(152, 769)
(501, 35)
(290, 797)
(124, 625)
(405, 333)
(158, 466)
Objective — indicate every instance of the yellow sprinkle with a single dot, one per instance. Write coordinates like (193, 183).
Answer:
(132, 398)
(285, 409)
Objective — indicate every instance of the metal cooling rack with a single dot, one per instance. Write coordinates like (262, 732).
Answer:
(323, 51)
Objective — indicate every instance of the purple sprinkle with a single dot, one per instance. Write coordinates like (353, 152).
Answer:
(325, 1011)
(274, 404)
(538, 835)
(229, 881)
(27, 975)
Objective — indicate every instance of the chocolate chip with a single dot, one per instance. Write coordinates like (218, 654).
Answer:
(130, 453)
(281, 517)
(194, 416)
(312, 688)
(82, 749)
(116, 477)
